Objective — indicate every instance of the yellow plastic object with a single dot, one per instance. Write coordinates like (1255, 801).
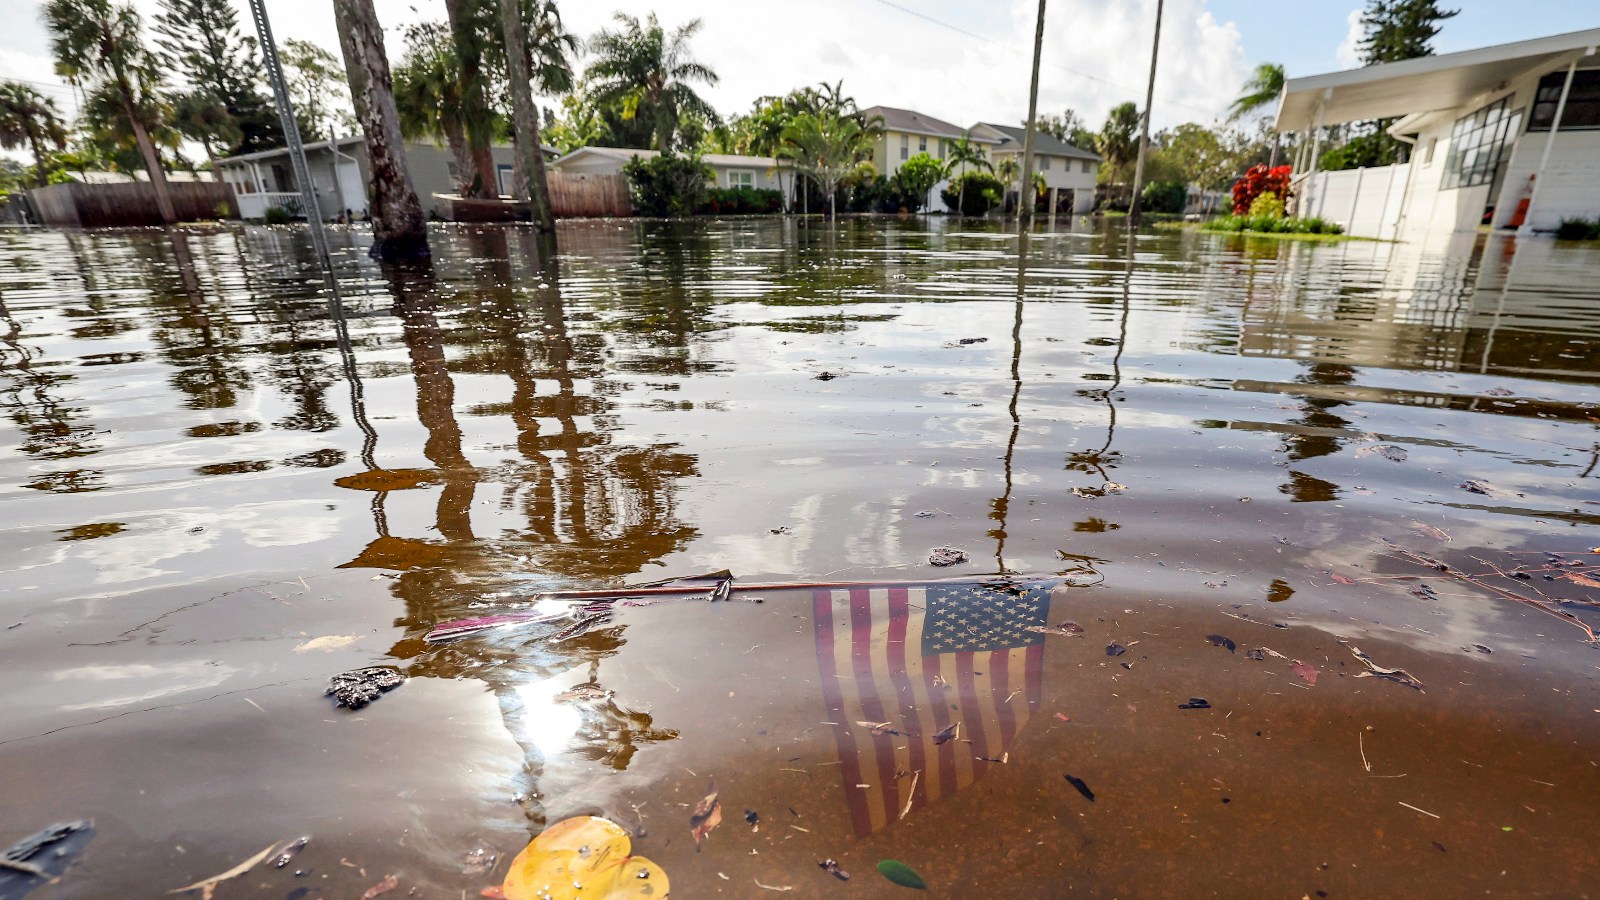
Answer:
(584, 858)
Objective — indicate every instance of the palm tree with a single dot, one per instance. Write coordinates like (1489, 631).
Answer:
(548, 49)
(1263, 88)
(95, 41)
(830, 148)
(469, 20)
(427, 95)
(29, 118)
(399, 229)
(648, 73)
(965, 153)
(525, 113)
(201, 117)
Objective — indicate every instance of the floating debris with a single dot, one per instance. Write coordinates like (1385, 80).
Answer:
(946, 556)
(1474, 487)
(831, 866)
(1218, 640)
(1115, 649)
(1399, 676)
(947, 734)
(706, 816)
(1081, 786)
(1195, 703)
(15, 858)
(358, 687)
(1306, 671)
(1387, 451)
(901, 874)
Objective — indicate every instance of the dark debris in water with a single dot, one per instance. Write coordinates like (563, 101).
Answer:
(831, 866)
(1474, 487)
(1081, 786)
(358, 687)
(1195, 703)
(1115, 650)
(1218, 640)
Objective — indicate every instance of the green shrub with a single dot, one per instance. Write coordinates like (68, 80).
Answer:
(1266, 224)
(1165, 197)
(277, 215)
(741, 201)
(668, 184)
(975, 192)
(1266, 204)
(1578, 230)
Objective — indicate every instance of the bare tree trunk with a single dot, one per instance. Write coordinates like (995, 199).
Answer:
(456, 139)
(399, 229)
(475, 113)
(38, 158)
(1144, 133)
(152, 162)
(525, 116)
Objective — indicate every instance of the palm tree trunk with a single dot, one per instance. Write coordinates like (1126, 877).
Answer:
(525, 116)
(147, 150)
(475, 112)
(38, 157)
(399, 229)
(456, 139)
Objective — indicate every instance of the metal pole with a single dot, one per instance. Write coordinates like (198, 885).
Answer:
(1025, 195)
(1144, 132)
(291, 135)
(1549, 143)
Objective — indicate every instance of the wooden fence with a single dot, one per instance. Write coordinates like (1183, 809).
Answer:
(588, 194)
(129, 203)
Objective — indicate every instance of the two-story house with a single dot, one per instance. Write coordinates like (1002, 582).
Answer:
(907, 132)
(1069, 171)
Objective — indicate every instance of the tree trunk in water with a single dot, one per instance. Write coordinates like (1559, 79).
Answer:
(475, 113)
(456, 139)
(152, 166)
(399, 229)
(38, 159)
(525, 116)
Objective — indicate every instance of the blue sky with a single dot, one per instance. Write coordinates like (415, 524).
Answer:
(889, 52)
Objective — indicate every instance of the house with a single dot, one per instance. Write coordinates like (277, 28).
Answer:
(340, 173)
(1069, 172)
(1507, 135)
(905, 133)
(728, 171)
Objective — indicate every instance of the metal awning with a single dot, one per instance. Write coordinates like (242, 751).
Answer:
(1419, 85)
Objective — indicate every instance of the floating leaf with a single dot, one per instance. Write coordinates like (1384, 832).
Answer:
(1400, 676)
(327, 642)
(1218, 640)
(947, 734)
(388, 884)
(1342, 579)
(1305, 671)
(707, 815)
(587, 851)
(1082, 787)
(902, 874)
(1116, 650)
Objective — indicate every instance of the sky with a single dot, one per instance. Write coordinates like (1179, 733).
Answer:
(959, 61)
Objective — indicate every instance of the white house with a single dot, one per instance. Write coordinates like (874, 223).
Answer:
(339, 171)
(1507, 136)
(728, 171)
(906, 132)
(1069, 171)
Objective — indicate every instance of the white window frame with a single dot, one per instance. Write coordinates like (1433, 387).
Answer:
(922, 143)
(745, 178)
(905, 146)
(1044, 163)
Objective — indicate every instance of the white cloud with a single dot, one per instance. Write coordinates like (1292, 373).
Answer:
(1349, 52)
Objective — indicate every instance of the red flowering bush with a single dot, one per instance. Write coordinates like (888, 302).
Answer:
(1256, 181)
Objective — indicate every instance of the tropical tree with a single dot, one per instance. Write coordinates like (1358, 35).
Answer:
(962, 153)
(200, 40)
(832, 149)
(648, 75)
(918, 175)
(471, 24)
(427, 95)
(548, 52)
(201, 117)
(317, 87)
(525, 113)
(399, 229)
(30, 119)
(1400, 29)
(1068, 127)
(1118, 141)
(98, 45)
(1262, 90)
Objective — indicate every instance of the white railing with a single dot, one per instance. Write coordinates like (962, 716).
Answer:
(253, 207)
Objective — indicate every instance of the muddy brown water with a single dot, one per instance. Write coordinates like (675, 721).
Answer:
(214, 494)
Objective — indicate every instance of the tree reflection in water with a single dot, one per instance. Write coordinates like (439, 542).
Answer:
(585, 508)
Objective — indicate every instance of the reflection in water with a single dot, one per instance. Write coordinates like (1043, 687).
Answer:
(926, 687)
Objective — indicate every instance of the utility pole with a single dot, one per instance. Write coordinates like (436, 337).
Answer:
(1144, 131)
(1025, 196)
(291, 134)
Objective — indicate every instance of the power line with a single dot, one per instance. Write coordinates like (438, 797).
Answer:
(988, 40)
(49, 86)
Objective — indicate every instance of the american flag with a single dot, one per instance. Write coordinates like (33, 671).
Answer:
(922, 658)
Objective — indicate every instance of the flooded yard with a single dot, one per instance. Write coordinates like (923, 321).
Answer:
(1282, 560)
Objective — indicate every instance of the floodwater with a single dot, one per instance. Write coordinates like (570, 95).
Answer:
(1235, 460)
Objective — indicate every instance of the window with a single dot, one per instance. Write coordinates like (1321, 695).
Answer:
(1477, 145)
(941, 148)
(1044, 163)
(506, 174)
(922, 144)
(905, 146)
(1088, 166)
(1583, 101)
(741, 179)
(1427, 156)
